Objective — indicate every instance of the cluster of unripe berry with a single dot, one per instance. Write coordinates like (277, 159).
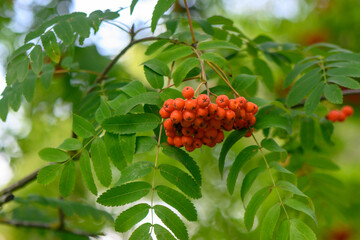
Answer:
(196, 121)
(340, 116)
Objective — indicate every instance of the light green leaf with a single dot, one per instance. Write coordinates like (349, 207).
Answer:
(67, 179)
(36, 57)
(142, 233)
(15, 95)
(269, 223)
(51, 46)
(158, 66)
(103, 111)
(333, 93)
(314, 98)
(21, 51)
(185, 159)
(307, 133)
(4, 108)
(160, 8)
(273, 120)
(180, 179)
(133, 88)
(217, 44)
(321, 162)
(175, 53)
(214, 58)
(177, 201)
(22, 69)
(351, 57)
(345, 82)
(287, 186)
(276, 166)
(49, 173)
(124, 194)
(82, 127)
(64, 31)
(298, 68)
(162, 233)
(115, 150)
(85, 169)
(249, 179)
(243, 81)
(327, 129)
(80, 24)
(254, 204)
(101, 162)
(152, 98)
(155, 46)
(128, 218)
(172, 221)
(299, 206)
(47, 75)
(155, 79)
(284, 230)
(135, 171)
(144, 144)
(131, 123)
(170, 93)
(53, 155)
(243, 157)
(71, 144)
(183, 69)
(300, 231)
(29, 86)
(345, 71)
(271, 145)
(265, 72)
(219, 20)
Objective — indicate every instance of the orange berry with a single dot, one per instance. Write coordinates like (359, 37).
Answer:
(212, 108)
(179, 104)
(203, 100)
(341, 116)
(199, 133)
(163, 113)
(187, 140)
(170, 140)
(222, 101)
(215, 123)
(185, 124)
(220, 115)
(190, 105)
(229, 115)
(249, 107)
(198, 122)
(252, 121)
(168, 124)
(206, 141)
(188, 92)
(186, 131)
(248, 134)
(189, 148)
(242, 101)
(242, 114)
(176, 116)
(220, 137)
(233, 104)
(228, 126)
(188, 116)
(211, 133)
(169, 105)
(170, 133)
(248, 116)
(256, 109)
(197, 143)
(347, 110)
(211, 144)
(333, 115)
(178, 141)
(202, 112)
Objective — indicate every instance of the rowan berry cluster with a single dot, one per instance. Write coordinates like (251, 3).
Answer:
(196, 121)
(340, 116)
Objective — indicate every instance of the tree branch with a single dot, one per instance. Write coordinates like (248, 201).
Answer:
(21, 183)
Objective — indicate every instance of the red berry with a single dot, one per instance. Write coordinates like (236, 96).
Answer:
(341, 116)
(189, 116)
(347, 110)
(215, 123)
(168, 124)
(333, 115)
(169, 105)
(250, 107)
(170, 133)
(197, 143)
(212, 108)
(220, 115)
(202, 112)
(242, 101)
(170, 140)
(190, 105)
(185, 124)
(188, 92)
(211, 133)
(186, 131)
(206, 141)
(189, 148)
(176, 116)
(230, 115)
(248, 134)
(222, 101)
(199, 133)
(178, 141)
(163, 113)
(256, 109)
(179, 104)
(198, 122)
(233, 104)
(220, 137)
(203, 100)
(187, 140)
(252, 121)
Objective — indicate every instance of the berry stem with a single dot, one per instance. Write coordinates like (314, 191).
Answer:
(190, 23)
(271, 176)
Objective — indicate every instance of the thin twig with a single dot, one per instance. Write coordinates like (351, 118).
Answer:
(79, 70)
(190, 23)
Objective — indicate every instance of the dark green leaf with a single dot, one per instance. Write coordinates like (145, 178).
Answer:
(162, 233)
(271, 145)
(21, 50)
(215, 58)
(249, 179)
(158, 66)
(170, 93)
(131, 123)
(4, 108)
(273, 120)
(103, 111)
(206, 26)
(185, 159)
(81, 25)
(51, 46)
(351, 57)
(64, 31)
(321, 162)
(115, 150)
(29, 86)
(161, 7)
(284, 230)
(155, 79)
(71, 144)
(177, 201)
(269, 223)
(180, 179)
(15, 95)
(152, 98)
(345, 82)
(345, 71)
(67, 179)
(299, 206)
(287, 186)
(217, 44)
(101, 161)
(142, 233)
(333, 93)
(85, 168)
(49, 173)
(245, 155)
(175, 53)
(243, 81)
(124, 194)
(314, 98)
(298, 68)
(155, 46)
(132, 6)
(144, 144)
(307, 133)
(299, 230)
(254, 204)
(172, 221)
(82, 127)
(276, 166)
(36, 57)
(22, 69)
(327, 129)
(219, 20)
(265, 72)
(47, 75)
(53, 155)
(128, 218)
(183, 69)
(135, 171)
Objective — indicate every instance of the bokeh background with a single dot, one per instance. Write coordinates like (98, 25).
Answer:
(47, 121)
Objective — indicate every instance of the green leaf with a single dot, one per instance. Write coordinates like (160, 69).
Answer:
(219, 20)
(177, 201)
(158, 66)
(21, 50)
(273, 120)
(51, 46)
(155, 79)
(152, 98)
(284, 230)
(265, 72)
(333, 93)
(162, 233)
(142, 233)
(243, 157)
(298, 68)
(29, 86)
(103, 111)
(229, 142)
(345, 82)
(53, 155)
(85, 169)
(327, 129)
(131, 123)
(215, 58)
(144, 144)
(307, 133)
(115, 150)
(80, 25)
(249, 179)
(36, 57)
(301, 207)
(172, 221)
(271, 145)
(175, 53)
(15, 95)
(254, 204)
(185, 159)
(299, 230)
(82, 127)
(314, 98)
(345, 71)
(303, 86)
(71, 144)
(216, 44)
(67, 179)
(183, 69)
(276, 166)
(4, 108)
(321, 162)
(269, 223)
(243, 81)
(49, 173)
(155, 46)
(22, 69)
(64, 31)
(47, 75)
(351, 57)
(180, 179)
(135, 171)
(132, 6)
(124, 194)
(101, 162)
(287, 186)
(170, 93)
(128, 218)
(160, 8)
